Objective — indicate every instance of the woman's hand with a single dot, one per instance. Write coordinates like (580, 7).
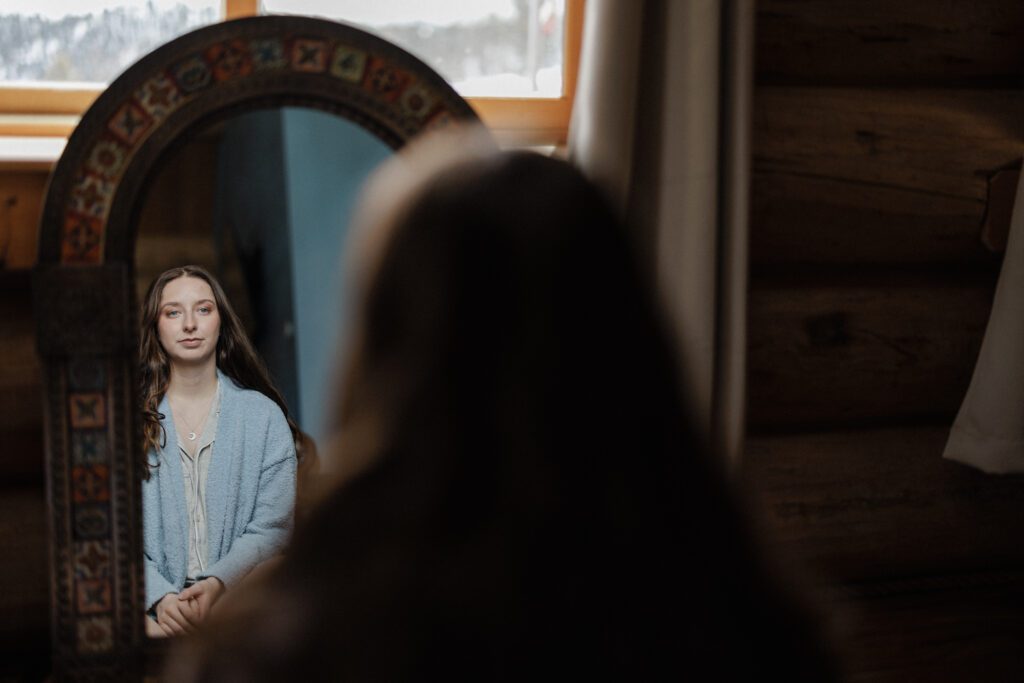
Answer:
(154, 629)
(176, 616)
(203, 594)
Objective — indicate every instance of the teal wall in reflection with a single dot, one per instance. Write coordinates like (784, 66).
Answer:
(327, 160)
(288, 181)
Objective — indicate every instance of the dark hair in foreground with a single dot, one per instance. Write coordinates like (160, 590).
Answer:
(524, 494)
(236, 357)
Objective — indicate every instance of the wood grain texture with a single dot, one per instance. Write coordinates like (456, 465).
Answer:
(21, 202)
(914, 42)
(922, 556)
(966, 633)
(800, 219)
(882, 504)
(861, 352)
(176, 219)
(155, 253)
(943, 142)
(21, 405)
(875, 175)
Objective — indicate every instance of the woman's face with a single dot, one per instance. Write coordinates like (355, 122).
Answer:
(189, 322)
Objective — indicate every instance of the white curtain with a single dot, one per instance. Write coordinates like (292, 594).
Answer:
(989, 429)
(662, 122)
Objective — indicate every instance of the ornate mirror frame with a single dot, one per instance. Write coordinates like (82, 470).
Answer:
(83, 291)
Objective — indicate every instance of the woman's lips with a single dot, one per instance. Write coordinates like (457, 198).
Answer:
(191, 343)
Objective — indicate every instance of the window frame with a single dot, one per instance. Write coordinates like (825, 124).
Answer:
(53, 110)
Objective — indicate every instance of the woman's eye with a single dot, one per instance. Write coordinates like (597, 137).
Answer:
(172, 314)
(204, 309)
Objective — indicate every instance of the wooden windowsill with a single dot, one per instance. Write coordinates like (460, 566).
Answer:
(27, 139)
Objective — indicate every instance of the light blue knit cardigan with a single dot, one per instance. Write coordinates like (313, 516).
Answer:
(250, 494)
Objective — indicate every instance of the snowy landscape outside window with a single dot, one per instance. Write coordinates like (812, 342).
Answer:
(82, 43)
(484, 48)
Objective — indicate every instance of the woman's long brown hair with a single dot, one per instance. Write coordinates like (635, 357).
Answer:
(236, 358)
(522, 492)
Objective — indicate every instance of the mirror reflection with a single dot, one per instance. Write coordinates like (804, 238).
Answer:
(260, 204)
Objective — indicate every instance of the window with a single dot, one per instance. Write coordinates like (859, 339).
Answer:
(514, 60)
(57, 55)
(485, 48)
(88, 45)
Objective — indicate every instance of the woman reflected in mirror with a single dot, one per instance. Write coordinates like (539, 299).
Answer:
(519, 489)
(220, 451)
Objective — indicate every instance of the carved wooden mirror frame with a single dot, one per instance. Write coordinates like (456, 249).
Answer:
(83, 291)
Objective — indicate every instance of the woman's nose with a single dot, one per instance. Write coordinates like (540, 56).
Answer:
(189, 321)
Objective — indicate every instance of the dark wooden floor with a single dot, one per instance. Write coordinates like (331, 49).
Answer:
(917, 562)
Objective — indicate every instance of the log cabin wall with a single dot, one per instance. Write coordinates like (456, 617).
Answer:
(24, 567)
(881, 130)
(175, 226)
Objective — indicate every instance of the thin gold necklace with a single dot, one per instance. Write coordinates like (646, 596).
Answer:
(192, 432)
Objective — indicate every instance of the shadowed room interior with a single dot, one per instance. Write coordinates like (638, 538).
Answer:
(870, 161)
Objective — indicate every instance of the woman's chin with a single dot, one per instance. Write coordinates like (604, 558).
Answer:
(192, 357)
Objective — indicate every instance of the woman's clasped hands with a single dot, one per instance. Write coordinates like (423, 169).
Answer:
(180, 613)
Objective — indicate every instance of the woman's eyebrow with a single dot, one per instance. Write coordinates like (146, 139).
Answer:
(175, 303)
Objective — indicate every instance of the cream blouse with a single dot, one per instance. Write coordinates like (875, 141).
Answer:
(195, 471)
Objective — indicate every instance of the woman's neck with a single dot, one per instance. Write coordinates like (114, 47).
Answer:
(192, 381)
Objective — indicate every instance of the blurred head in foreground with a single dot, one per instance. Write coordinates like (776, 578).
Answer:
(519, 492)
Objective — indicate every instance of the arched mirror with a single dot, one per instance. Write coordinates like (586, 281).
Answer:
(240, 147)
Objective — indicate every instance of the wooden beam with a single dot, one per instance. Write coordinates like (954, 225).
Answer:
(938, 142)
(878, 42)
(882, 504)
(861, 351)
(957, 633)
(235, 9)
(21, 202)
(802, 219)
(875, 175)
(21, 402)
(48, 98)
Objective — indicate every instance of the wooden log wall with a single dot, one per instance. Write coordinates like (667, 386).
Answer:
(24, 570)
(878, 130)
